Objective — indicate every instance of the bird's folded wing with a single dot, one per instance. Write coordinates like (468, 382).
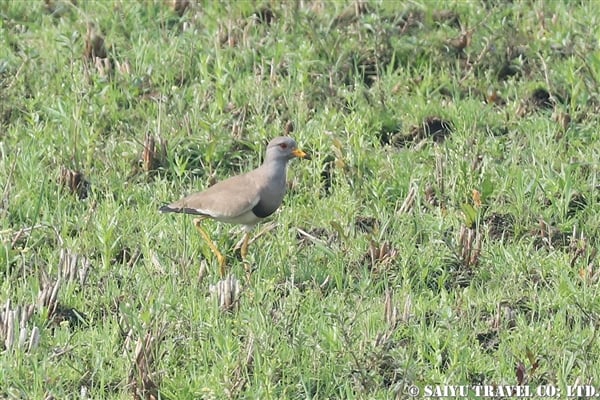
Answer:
(226, 199)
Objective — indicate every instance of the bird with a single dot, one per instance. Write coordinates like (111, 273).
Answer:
(243, 199)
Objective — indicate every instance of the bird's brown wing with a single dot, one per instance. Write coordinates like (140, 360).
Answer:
(226, 199)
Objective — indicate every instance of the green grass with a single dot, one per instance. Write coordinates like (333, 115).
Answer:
(358, 93)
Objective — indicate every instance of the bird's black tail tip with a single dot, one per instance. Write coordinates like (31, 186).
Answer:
(165, 209)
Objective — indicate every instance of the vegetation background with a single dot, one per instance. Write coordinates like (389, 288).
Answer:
(445, 232)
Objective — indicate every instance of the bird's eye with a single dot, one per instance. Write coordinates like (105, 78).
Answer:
(283, 145)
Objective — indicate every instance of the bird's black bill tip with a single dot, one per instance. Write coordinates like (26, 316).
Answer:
(165, 209)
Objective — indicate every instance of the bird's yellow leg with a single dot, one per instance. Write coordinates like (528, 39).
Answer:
(212, 245)
(244, 250)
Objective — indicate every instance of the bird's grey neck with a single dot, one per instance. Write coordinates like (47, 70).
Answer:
(275, 169)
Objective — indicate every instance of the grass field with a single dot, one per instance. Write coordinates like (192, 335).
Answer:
(445, 231)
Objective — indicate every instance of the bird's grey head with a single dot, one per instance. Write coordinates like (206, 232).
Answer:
(283, 148)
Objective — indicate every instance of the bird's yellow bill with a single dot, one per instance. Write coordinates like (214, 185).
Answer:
(300, 154)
